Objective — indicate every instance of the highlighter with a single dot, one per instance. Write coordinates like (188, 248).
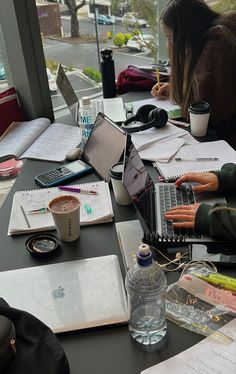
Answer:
(219, 280)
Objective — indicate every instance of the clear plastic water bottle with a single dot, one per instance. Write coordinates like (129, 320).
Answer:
(146, 287)
(86, 119)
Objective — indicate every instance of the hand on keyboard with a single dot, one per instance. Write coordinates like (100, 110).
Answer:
(184, 213)
(207, 181)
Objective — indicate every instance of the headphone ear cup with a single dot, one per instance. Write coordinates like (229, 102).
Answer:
(159, 117)
(143, 113)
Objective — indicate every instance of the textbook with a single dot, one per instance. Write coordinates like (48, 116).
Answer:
(38, 139)
(94, 209)
(200, 157)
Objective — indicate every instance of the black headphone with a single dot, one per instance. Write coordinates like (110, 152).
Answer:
(150, 116)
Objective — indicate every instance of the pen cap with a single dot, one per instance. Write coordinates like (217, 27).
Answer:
(121, 195)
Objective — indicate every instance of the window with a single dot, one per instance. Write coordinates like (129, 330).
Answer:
(31, 46)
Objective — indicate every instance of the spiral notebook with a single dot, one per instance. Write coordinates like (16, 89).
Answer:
(219, 149)
(94, 208)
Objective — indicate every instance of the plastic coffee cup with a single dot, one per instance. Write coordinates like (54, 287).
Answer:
(199, 113)
(121, 195)
(65, 211)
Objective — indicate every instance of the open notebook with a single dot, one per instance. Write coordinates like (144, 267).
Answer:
(219, 149)
(100, 207)
(69, 295)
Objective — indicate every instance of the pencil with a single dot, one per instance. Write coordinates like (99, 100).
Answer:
(25, 217)
(158, 78)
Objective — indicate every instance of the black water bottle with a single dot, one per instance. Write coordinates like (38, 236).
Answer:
(108, 74)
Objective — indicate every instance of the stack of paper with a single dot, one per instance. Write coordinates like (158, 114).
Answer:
(100, 207)
(160, 144)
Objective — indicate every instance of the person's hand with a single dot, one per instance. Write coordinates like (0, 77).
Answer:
(162, 92)
(184, 213)
(208, 181)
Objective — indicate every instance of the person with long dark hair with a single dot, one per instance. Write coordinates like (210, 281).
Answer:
(202, 51)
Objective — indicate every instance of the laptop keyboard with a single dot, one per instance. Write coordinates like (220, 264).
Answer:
(170, 197)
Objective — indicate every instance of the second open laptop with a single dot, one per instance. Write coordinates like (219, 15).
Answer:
(112, 108)
(153, 200)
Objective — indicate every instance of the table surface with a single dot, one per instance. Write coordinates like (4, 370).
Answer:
(102, 350)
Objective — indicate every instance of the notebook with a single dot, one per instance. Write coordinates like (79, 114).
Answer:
(152, 200)
(69, 295)
(189, 153)
(112, 108)
(100, 207)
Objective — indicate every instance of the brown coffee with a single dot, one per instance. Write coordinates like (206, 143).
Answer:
(64, 204)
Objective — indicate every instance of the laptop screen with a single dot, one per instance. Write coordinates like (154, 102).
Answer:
(140, 186)
(105, 146)
(67, 92)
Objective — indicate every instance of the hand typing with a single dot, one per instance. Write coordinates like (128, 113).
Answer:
(207, 181)
(184, 213)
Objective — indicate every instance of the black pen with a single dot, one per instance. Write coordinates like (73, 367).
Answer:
(197, 159)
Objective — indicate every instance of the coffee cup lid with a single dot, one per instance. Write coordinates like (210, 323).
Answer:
(199, 107)
(116, 171)
(42, 245)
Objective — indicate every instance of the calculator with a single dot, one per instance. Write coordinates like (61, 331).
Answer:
(63, 174)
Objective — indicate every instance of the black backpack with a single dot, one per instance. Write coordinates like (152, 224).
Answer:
(28, 345)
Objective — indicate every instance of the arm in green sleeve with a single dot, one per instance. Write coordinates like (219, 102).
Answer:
(227, 178)
(218, 221)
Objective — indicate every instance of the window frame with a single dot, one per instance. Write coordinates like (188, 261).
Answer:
(25, 56)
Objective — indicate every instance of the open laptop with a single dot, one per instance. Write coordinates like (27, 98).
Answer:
(112, 108)
(105, 146)
(153, 200)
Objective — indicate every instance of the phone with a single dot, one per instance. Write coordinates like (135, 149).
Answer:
(63, 174)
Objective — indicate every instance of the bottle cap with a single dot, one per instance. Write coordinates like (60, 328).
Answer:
(106, 53)
(85, 100)
(144, 255)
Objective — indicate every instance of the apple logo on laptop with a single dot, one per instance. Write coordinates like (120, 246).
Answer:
(58, 292)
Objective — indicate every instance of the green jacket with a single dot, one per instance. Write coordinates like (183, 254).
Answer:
(219, 220)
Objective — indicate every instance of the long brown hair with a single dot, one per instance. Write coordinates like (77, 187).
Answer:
(190, 22)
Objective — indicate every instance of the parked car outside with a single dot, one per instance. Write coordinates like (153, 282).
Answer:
(141, 43)
(103, 19)
(131, 19)
(51, 82)
(2, 72)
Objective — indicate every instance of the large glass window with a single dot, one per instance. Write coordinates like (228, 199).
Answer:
(72, 38)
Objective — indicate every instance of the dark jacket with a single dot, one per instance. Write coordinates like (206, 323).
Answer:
(219, 220)
(216, 78)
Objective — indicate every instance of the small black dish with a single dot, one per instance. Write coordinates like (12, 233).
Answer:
(42, 245)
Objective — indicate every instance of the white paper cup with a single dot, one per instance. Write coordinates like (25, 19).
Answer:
(65, 211)
(121, 195)
(199, 113)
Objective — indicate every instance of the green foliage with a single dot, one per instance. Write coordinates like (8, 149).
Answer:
(52, 65)
(127, 37)
(119, 39)
(93, 74)
(224, 5)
